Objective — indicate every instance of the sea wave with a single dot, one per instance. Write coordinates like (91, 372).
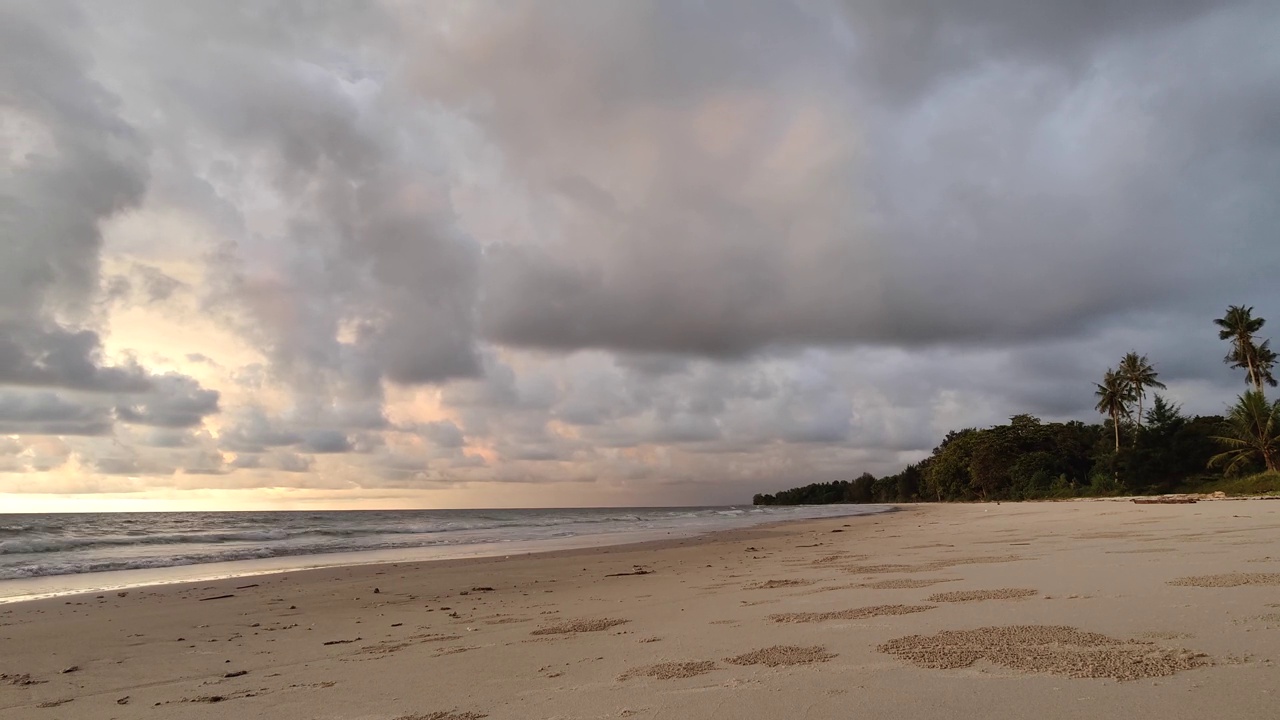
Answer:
(36, 546)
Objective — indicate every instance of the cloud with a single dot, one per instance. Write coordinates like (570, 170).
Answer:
(176, 401)
(47, 413)
(443, 433)
(661, 250)
(907, 49)
(1019, 196)
(59, 358)
(326, 441)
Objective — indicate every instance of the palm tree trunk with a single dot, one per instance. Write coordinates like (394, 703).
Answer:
(1115, 422)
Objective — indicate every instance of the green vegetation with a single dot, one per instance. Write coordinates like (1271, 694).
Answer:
(1239, 326)
(1164, 450)
(1250, 433)
(1266, 483)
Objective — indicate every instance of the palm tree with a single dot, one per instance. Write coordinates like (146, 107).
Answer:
(1239, 326)
(1264, 359)
(1114, 395)
(1139, 374)
(1251, 430)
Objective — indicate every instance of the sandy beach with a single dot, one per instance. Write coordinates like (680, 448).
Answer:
(1051, 610)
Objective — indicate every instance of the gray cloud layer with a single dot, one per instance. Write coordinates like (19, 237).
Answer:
(631, 242)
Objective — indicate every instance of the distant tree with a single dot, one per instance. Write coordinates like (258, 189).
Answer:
(909, 483)
(1251, 432)
(1114, 396)
(1239, 326)
(1163, 414)
(948, 477)
(1139, 374)
(861, 489)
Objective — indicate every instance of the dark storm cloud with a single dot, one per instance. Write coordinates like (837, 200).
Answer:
(631, 242)
(1060, 164)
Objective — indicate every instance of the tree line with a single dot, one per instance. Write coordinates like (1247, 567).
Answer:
(1135, 450)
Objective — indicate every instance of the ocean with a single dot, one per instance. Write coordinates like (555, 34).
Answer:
(110, 550)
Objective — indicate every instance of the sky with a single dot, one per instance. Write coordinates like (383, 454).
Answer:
(272, 254)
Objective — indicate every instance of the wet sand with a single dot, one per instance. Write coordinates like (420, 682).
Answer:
(1051, 610)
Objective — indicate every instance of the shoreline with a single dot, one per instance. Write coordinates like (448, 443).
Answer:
(1048, 610)
(21, 590)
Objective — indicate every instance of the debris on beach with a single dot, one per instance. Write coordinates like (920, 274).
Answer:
(342, 642)
(635, 570)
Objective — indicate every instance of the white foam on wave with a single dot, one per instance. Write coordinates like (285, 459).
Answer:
(60, 546)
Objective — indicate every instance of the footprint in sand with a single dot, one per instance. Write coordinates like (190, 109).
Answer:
(22, 680)
(838, 557)
(772, 584)
(1051, 649)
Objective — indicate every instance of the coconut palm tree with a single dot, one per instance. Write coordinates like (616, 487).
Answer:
(1265, 359)
(1251, 431)
(1239, 326)
(1139, 374)
(1114, 396)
